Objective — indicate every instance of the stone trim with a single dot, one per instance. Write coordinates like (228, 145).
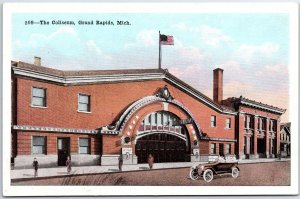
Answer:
(53, 129)
(256, 115)
(109, 132)
(86, 78)
(119, 127)
(142, 134)
(218, 139)
(132, 109)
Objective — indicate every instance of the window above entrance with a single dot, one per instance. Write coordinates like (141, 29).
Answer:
(161, 121)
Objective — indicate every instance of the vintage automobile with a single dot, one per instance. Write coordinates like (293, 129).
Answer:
(208, 170)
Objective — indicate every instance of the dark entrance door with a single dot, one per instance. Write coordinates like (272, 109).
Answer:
(63, 150)
(261, 147)
(221, 149)
(163, 147)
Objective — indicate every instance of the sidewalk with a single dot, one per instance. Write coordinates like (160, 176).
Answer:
(23, 174)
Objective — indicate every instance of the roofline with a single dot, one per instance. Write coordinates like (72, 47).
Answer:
(85, 78)
(243, 101)
(264, 107)
(125, 77)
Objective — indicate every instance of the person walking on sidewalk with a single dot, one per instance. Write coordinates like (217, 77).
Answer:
(68, 164)
(120, 162)
(150, 160)
(35, 165)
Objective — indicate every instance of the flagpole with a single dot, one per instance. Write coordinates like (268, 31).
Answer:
(159, 52)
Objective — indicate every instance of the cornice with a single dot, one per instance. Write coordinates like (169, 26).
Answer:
(218, 139)
(53, 129)
(275, 110)
(71, 80)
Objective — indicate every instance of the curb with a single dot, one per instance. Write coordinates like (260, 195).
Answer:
(265, 162)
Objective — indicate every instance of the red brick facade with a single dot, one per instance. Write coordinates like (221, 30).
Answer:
(25, 142)
(108, 101)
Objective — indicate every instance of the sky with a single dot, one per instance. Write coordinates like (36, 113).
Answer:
(253, 49)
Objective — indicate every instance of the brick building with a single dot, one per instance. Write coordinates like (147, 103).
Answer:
(96, 116)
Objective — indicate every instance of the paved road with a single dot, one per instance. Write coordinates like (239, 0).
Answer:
(276, 173)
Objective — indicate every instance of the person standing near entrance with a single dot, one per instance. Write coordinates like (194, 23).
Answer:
(35, 165)
(150, 160)
(68, 164)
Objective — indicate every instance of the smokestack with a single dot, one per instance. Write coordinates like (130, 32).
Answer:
(37, 61)
(218, 85)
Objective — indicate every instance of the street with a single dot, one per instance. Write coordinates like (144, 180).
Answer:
(260, 174)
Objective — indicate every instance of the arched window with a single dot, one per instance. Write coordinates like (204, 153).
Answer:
(161, 121)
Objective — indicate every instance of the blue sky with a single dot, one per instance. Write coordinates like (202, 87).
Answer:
(253, 49)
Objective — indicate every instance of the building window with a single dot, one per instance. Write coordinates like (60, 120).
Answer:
(84, 146)
(161, 120)
(251, 145)
(274, 126)
(272, 146)
(228, 123)
(228, 148)
(38, 145)
(251, 122)
(84, 103)
(285, 147)
(38, 97)
(213, 121)
(246, 122)
(270, 125)
(212, 148)
(263, 124)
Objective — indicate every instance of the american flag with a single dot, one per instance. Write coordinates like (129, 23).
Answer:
(166, 40)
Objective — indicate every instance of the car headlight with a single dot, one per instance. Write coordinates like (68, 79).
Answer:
(202, 167)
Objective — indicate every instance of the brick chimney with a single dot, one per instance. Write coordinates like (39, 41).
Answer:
(37, 61)
(218, 85)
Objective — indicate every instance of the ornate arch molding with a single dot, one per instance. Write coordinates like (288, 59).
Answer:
(162, 96)
(166, 132)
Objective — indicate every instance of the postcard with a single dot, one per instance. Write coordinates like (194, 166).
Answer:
(150, 99)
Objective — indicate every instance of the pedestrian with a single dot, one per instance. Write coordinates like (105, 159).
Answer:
(150, 160)
(35, 165)
(69, 164)
(120, 162)
(279, 155)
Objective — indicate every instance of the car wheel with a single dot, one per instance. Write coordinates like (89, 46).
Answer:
(194, 174)
(208, 175)
(235, 172)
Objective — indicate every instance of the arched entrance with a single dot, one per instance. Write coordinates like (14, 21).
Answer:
(160, 135)
(156, 124)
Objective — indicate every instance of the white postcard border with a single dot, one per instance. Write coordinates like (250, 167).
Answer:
(11, 8)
